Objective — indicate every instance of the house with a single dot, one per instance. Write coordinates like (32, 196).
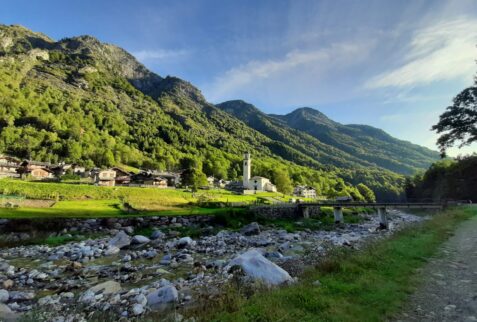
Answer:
(173, 178)
(255, 183)
(304, 192)
(122, 176)
(148, 179)
(104, 177)
(9, 166)
(36, 170)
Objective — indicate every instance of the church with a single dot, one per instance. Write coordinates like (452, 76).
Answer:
(255, 183)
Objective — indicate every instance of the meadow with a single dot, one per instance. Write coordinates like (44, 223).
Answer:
(82, 201)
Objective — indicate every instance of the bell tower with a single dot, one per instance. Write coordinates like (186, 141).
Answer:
(247, 169)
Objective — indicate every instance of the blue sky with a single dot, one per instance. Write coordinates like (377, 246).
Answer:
(395, 65)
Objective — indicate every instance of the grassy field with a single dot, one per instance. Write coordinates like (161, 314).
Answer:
(369, 285)
(83, 201)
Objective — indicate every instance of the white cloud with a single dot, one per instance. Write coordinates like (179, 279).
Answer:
(296, 65)
(158, 54)
(443, 51)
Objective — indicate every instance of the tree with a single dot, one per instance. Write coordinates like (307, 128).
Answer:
(282, 181)
(459, 122)
(367, 193)
(194, 178)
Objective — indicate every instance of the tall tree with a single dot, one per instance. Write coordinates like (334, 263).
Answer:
(459, 122)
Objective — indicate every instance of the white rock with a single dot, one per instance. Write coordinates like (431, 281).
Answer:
(108, 287)
(258, 267)
(139, 239)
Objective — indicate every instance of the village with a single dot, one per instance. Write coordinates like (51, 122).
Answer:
(14, 168)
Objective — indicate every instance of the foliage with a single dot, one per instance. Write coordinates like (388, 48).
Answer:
(459, 122)
(445, 180)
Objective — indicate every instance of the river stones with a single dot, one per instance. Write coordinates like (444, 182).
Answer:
(139, 240)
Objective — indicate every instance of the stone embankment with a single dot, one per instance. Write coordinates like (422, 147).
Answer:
(128, 275)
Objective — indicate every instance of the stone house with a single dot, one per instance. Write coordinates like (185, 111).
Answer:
(104, 177)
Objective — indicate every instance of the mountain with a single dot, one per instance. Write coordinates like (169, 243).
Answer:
(84, 101)
(327, 141)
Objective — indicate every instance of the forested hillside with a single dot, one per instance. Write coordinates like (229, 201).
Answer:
(80, 100)
(311, 132)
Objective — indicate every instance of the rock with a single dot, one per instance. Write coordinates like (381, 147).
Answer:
(21, 296)
(166, 260)
(111, 250)
(141, 299)
(8, 284)
(185, 242)
(137, 309)
(139, 240)
(151, 254)
(163, 298)
(120, 240)
(258, 267)
(157, 234)
(108, 287)
(87, 297)
(4, 296)
(250, 229)
(316, 283)
(6, 314)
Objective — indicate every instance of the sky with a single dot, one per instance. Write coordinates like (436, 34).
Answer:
(395, 65)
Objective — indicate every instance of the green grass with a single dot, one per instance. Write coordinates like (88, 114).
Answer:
(369, 285)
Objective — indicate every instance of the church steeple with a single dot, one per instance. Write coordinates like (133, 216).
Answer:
(247, 169)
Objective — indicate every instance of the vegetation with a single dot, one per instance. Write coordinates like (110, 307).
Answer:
(459, 122)
(78, 100)
(445, 180)
(369, 285)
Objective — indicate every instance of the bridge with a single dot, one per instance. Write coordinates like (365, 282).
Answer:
(306, 207)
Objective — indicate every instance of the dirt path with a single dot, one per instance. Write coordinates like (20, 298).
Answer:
(449, 292)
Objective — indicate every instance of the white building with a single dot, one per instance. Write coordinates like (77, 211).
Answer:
(304, 192)
(255, 183)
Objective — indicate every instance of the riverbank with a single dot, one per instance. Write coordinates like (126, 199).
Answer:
(112, 275)
(370, 285)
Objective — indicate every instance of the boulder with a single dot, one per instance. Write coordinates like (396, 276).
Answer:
(120, 240)
(139, 240)
(185, 242)
(256, 266)
(162, 298)
(250, 229)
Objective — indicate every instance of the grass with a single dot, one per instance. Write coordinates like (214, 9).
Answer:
(369, 285)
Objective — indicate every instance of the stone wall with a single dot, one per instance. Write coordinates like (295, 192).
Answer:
(288, 211)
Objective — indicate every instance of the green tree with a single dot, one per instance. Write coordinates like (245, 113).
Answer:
(282, 181)
(367, 193)
(459, 122)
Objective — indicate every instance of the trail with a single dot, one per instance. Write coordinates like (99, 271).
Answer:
(449, 290)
